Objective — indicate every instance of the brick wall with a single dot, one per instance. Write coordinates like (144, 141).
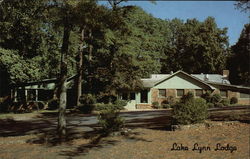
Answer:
(156, 98)
(144, 106)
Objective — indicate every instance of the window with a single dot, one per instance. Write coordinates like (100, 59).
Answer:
(244, 95)
(223, 93)
(44, 95)
(180, 92)
(31, 94)
(198, 92)
(124, 96)
(144, 96)
(132, 96)
(162, 93)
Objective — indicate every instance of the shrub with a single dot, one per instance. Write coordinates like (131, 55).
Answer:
(156, 105)
(186, 97)
(87, 99)
(5, 104)
(190, 112)
(207, 96)
(210, 105)
(225, 102)
(218, 105)
(233, 100)
(215, 98)
(165, 104)
(102, 106)
(41, 105)
(233, 117)
(53, 104)
(86, 108)
(110, 121)
(120, 104)
(171, 100)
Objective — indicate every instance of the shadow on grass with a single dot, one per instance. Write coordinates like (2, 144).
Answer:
(242, 116)
(11, 127)
(156, 123)
(97, 141)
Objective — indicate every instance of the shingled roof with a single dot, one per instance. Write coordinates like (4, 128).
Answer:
(204, 78)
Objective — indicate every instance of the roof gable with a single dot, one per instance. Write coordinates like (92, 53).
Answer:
(182, 80)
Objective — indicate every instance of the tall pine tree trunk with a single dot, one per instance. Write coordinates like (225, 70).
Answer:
(80, 69)
(62, 84)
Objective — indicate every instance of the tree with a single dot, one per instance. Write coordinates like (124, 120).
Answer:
(62, 10)
(243, 5)
(238, 63)
(21, 28)
(195, 47)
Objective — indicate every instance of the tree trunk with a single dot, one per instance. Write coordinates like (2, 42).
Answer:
(80, 70)
(62, 84)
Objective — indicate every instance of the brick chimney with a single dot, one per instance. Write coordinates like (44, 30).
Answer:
(225, 74)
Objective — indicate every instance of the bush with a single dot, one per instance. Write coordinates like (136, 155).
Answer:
(166, 104)
(87, 108)
(190, 112)
(102, 106)
(207, 96)
(156, 105)
(233, 100)
(219, 105)
(171, 100)
(5, 104)
(120, 103)
(41, 105)
(53, 104)
(216, 98)
(225, 102)
(87, 99)
(110, 121)
(210, 105)
(234, 117)
(186, 97)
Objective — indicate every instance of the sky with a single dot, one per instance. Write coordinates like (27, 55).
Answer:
(224, 13)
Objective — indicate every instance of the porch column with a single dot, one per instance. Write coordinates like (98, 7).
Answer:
(26, 94)
(15, 94)
(36, 95)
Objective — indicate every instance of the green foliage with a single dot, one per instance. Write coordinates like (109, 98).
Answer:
(102, 106)
(16, 68)
(234, 117)
(53, 104)
(187, 97)
(210, 105)
(166, 106)
(120, 103)
(156, 105)
(169, 103)
(216, 98)
(238, 63)
(86, 108)
(233, 100)
(5, 104)
(218, 105)
(190, 112)
(195, 46)
(110, 121)
(225, 102)
(87, 99)
(21, 29)
(207, 96)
